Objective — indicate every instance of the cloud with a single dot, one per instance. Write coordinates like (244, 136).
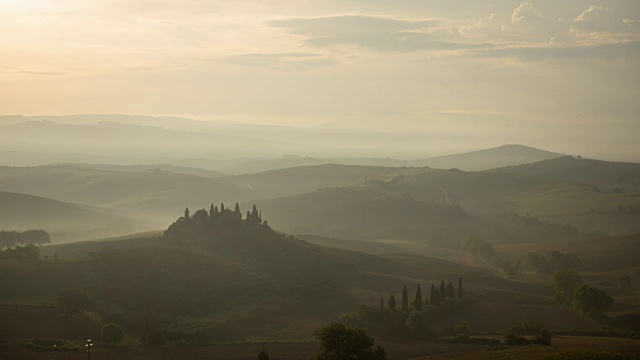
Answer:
(630, 49)
(597, 18)
(291, 60)
(490, 26)
(369, 32)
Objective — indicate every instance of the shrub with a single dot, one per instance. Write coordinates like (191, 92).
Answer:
(543, 337)
(515, 339)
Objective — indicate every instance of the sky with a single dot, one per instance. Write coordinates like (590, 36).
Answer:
(572, 64)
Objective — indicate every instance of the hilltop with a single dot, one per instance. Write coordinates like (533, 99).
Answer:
(501, 156)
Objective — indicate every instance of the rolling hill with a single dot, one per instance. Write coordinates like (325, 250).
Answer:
(152, 194)
(602, 174)
(501, 156)
(63, 221)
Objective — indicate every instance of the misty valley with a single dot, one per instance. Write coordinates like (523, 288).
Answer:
(326, 180)
(536, 257)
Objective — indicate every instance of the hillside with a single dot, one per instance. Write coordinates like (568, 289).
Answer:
(151, 195)
(501, 156)
(63, 221)
(153, 167)
(603, 174)
(302, 179)
(588, 208)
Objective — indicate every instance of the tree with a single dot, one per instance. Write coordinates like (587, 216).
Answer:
(112, 333)
(186, 214)
(451, 292)
(592, 301)
(36, 237)
(418, 301)
(433, 296)
(338, 342)
(73, 300)
(31, 251)
(564, 283)
(254, 214)
(405, 299)
(624, 284)
(9, 239)
(459, 288)
(392, 303)
(415, 325)
(442, 292)
(237, 209)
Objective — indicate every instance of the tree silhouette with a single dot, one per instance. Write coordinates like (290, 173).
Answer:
(392, 303)
(112, 333)
(237, 209)
(405, 299)
(186, 214)
(442, 292)
(433, 296)
(418, 301)
(564, 283)
(592, 301)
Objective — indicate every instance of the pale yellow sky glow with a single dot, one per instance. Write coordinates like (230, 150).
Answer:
(310, 62)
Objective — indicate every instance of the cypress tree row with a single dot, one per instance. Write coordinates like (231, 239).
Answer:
(442, 292)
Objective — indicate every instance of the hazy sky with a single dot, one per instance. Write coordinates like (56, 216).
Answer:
(308, 62)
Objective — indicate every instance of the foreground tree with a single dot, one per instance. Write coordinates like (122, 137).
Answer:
(112, 333)
(73, 300)
(564, 283)
(338, 342)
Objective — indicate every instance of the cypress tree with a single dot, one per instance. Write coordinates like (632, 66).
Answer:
(186, 214)
(418, 302)
(392, 303)
(222, 208)
(442, 292)
(459, 288)
(451, 291)
(237, 209)
(248, 216)
(405, 299)
(211, 209)
(433, 295)
(254, 213)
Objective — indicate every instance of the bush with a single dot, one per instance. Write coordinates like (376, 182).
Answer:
(515, 339)
(543, 337)
(112, 333)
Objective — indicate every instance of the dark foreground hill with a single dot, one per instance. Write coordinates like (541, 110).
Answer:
(63, 221)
